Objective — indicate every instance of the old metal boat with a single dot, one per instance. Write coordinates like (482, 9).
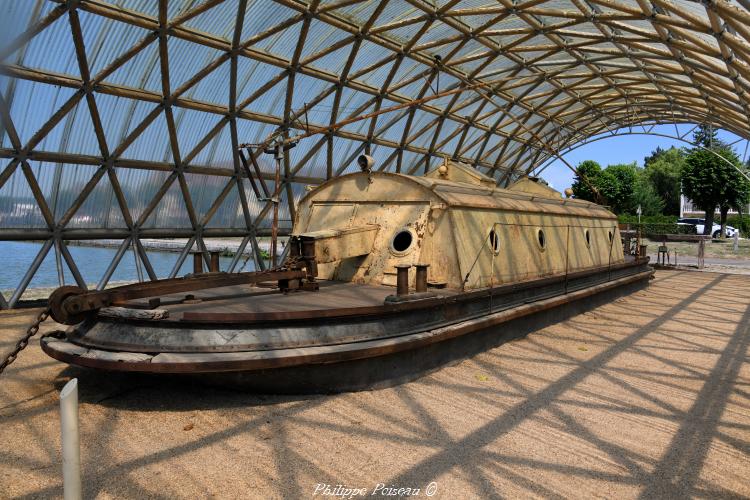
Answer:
(387, 276)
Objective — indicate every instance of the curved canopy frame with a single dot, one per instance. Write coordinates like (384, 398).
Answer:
(121, 118)
(644, 129)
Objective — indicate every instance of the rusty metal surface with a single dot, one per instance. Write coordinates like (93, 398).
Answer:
(333, 245)
(498, 254)
(446, 218)
(197, 263)
(259, 299)
(421, 278)
(402, 279)
(71, 303)
(337, 319)
(214, 266)
(338, 353)
(60, 313)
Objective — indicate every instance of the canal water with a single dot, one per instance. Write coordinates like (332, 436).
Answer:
(16, 257)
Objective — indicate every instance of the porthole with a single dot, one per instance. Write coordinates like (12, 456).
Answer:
(402, 241)
(541, 239)
(588, 237)
(494, 242)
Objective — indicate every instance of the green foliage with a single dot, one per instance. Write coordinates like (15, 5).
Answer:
(706, 179)
(607, 185)
(698, 179)
(655, 229)
(655, 154)
(656, 224)
(645, 196)
(647, 219)
(707, 137)
(662, 170)
(741, 223)
(736, 192)
(710, 181)
(619, 184)
(615, 184)
(590, 171)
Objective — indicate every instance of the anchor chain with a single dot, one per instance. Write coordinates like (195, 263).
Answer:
(24, 341)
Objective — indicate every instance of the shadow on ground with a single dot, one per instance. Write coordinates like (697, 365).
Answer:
(647, 396)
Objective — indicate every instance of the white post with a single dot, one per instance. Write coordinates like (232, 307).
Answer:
(736, 240)
(71, 451)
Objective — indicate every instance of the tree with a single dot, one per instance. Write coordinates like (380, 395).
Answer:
(617, 185)
(587, 173)
(645, 196)
(737, 196)
(662, 170)
(708, 137)
(710, 179)
(655, 154)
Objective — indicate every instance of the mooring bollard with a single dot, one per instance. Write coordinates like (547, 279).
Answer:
(71, 451)
(214, 265)
(421, 278)
(402, 279)
(197, 263)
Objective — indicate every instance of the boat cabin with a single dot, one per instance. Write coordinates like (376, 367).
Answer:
(470, 232)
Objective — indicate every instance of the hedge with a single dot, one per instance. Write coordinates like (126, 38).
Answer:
(667, 224)
(743, 224)
(648, 229)
(647, 219)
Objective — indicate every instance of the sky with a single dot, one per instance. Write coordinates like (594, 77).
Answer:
(625, 149)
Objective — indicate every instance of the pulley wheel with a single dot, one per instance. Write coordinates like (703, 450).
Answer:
(58, 312)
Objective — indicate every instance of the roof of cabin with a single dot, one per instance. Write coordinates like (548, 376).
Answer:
(464, 195)
(457, 194)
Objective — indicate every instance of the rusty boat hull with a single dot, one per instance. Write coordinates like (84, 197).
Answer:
(343, 337)
(387, 277)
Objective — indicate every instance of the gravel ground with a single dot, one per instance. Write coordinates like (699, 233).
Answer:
(647, 396)
(723, 266)
(714, 249)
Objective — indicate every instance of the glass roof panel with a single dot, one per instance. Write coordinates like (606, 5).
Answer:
(522, 72)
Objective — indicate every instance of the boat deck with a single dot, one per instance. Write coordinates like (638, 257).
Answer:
(647, 396)
(246, 299)
(266, 299)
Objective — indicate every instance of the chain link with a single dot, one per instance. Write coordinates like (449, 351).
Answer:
(24, 341)
(34, 328)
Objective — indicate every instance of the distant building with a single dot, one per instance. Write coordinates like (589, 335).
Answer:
(688, 210)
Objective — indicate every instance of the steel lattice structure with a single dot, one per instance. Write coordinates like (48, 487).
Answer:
(122, 119)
